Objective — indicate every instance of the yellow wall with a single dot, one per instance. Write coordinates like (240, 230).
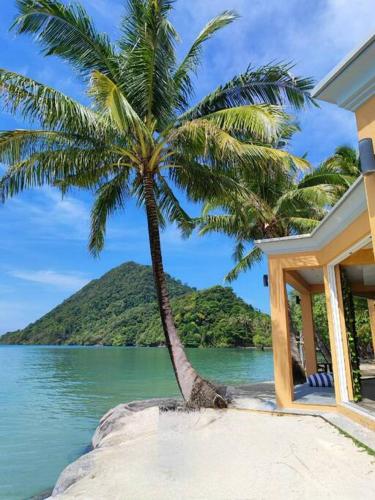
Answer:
(365, 116)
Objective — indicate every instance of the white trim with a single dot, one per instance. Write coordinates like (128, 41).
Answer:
(337, 330)
(341, 67)
(337, 333)
(352, 81)
(355, 100)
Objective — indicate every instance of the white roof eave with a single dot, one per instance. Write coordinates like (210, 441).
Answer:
(346, 210)
(352, 81)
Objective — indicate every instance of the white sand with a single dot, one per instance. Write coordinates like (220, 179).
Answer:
(223, 455)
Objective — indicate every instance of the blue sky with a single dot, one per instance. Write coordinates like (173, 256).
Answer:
(43, 244)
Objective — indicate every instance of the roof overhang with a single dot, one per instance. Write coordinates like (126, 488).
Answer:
(346, 210)
(352, 81)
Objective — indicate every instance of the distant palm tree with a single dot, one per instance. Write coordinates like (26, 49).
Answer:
(139, 137)
(278, 203)
(335, 174)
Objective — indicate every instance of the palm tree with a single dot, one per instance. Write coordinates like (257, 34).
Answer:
(271, 206)
(335, 174)
(139, 137)
(277, 203)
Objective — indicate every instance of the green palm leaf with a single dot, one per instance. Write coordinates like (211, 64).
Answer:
(252, 257)
(272, 84)
(171, 207)
(190, 63)
(148, 54)
(110, 101)
(110, 197)
(49, 108)
(67, 31)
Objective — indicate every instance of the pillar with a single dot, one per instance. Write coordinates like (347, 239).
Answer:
(371, 311)
(370, 195)
(280, 335)
(308, 333)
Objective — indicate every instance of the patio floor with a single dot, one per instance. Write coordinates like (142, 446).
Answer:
(314, 395)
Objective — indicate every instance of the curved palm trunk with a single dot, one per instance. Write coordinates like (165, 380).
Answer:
(196, 391)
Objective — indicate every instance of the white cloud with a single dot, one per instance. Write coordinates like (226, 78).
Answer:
(48, 216)
(64, 281)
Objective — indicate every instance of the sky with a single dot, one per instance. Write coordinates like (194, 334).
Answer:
(43, 243)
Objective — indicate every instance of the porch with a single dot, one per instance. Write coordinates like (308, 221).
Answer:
(335, 261)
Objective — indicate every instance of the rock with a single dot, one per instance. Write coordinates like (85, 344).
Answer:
(120, 424)
(73, 473)
(119, 416)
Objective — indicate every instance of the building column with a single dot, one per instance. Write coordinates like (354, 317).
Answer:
(331, 330)
(339, 343)
(371, 312)
(370, 196)
(280, 335)
(308, 333)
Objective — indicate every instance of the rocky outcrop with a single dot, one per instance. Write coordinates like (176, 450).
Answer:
(120, 424)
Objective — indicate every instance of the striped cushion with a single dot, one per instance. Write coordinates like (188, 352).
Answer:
(320, 380)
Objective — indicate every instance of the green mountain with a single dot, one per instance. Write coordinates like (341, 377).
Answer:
(120, 309)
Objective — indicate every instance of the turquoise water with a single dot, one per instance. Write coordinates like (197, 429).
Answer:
(51, 399)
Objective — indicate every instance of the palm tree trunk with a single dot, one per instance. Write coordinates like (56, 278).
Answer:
(196, 391)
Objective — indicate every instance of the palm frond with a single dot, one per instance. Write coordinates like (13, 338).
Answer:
(200, 181)
(51, 109)
(247, 261)
(304, 225)
(171, 207)
(263, 123)
(110, 100)
(67, 31)
(204, 138)
(57, 167)
(329, 178)
(109, 197)
(229, 224)
(313, 197)
(16, 145)
(271, 84)
(190, 63)
(148, 55)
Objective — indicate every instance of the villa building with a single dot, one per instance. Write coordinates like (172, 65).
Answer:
(343, 243)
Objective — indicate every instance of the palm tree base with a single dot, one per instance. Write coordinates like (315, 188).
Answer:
(206, 395)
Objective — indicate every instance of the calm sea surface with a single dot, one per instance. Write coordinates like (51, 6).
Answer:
(51, 399)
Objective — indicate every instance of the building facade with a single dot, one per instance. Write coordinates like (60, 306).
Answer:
(344, 242)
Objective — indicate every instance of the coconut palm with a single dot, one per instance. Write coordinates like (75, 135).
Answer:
(139, 137)
(272, 206)
(335, 174)
(277, 203)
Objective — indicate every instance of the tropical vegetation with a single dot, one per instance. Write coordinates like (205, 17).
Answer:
(140, 137)
(120, 309)
(278, 203)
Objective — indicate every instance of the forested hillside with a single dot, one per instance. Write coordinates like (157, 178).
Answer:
(120, 309)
